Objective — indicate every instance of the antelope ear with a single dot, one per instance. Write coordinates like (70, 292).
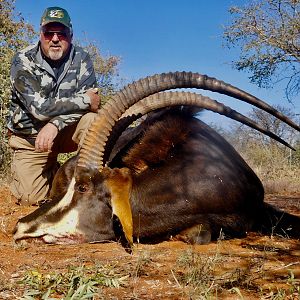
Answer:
(119, 182)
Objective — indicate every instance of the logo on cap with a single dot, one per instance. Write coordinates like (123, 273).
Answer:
(56, 14)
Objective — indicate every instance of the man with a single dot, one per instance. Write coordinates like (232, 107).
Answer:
(54, 100)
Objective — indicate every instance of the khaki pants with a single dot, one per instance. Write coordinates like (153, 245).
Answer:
(33, 172)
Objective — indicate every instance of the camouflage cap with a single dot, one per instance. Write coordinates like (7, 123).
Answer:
(56, 14)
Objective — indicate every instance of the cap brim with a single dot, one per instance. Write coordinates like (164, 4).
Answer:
(55, 21)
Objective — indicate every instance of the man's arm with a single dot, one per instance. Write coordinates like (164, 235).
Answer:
(59, 112)
(47, 134)
(38, 102)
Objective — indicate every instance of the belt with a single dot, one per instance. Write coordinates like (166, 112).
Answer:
(27, 137)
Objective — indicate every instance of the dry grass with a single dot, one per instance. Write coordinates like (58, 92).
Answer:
(219, 274)
(276, 167)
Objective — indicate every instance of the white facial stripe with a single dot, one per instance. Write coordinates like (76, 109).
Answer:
(64, 202)
(67, 224)
(65, 227)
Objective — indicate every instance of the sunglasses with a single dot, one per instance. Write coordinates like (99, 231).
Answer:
(62, 34)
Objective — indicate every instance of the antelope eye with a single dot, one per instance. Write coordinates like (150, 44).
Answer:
(82, 188)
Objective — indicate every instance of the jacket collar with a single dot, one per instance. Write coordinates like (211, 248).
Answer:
(35, 54)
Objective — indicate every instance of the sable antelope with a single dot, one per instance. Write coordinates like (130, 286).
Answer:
(172, 175)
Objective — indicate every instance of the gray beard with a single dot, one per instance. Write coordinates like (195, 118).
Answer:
(55, 55)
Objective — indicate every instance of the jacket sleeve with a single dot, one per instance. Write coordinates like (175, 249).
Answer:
(87, 80)
(36, 96)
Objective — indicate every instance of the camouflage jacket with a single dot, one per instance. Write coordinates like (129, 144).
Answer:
(38, 97)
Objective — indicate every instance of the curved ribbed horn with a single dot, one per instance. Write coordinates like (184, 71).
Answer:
(91, 153)
(167, 99)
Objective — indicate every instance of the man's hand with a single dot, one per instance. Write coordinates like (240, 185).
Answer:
(95, 99)
(45, 137)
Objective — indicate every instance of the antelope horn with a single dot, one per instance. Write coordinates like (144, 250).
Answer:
(165, 99)
(92, 153)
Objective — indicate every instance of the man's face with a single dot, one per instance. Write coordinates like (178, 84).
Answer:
(55, 41)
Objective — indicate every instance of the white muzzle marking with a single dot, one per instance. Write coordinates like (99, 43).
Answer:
(52, 232)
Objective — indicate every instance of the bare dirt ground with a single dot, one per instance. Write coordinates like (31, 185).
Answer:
(256, 267)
